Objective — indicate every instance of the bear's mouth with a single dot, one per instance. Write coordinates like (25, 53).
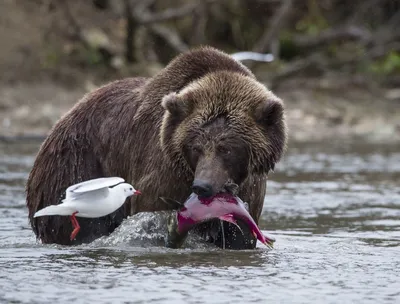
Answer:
(223, 219)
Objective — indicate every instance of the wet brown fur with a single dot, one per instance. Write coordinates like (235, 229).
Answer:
(123, 129)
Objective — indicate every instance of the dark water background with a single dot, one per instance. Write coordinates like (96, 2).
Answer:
(333, 208)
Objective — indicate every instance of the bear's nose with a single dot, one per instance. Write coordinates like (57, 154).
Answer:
(202, 188)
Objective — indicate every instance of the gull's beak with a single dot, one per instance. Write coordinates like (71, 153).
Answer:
(137, 192)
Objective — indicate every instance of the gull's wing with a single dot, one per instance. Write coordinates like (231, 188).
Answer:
(96, 187)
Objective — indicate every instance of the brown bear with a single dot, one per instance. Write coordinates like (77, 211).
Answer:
(201, 123)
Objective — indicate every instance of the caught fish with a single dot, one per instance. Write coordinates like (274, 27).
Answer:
(223, 206)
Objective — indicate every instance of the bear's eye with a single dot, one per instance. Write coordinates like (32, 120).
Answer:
(196, 149)
(224, 151)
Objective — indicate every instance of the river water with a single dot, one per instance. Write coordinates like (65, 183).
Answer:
(334, 210)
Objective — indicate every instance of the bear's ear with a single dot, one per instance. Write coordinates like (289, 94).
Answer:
(177, 106)
(269, 116)
(269, 113)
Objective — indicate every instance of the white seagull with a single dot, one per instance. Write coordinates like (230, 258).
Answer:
(91, 199)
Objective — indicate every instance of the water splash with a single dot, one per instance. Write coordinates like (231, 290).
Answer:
(142, 229)
(223, 234)
(146, 229)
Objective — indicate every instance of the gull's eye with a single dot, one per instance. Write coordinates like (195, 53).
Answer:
(131, 189)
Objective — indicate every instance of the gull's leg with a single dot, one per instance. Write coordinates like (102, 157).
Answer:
(76, 226)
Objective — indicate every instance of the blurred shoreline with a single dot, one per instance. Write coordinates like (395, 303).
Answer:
(316, 109)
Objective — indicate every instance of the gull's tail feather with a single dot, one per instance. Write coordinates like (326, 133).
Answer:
(55, 210)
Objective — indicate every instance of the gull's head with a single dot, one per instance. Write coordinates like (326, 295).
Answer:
(127, 189)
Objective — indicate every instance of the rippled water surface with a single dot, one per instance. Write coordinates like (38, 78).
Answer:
(334, 210)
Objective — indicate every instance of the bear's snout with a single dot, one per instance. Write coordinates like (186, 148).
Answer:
(210, 176)
(202, 188)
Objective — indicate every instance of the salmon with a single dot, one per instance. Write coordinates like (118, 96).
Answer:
(223, 206)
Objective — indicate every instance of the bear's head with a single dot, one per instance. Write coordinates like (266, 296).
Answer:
(221, 128)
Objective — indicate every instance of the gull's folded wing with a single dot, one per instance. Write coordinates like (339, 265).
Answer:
(99, 185)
